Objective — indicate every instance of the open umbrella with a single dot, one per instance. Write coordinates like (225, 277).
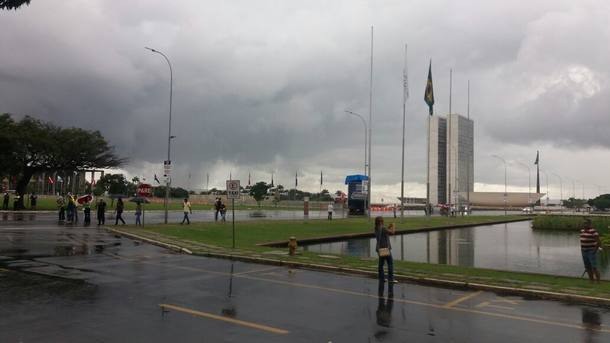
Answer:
(85, 198)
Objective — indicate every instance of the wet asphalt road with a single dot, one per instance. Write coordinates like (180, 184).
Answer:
(212, 300)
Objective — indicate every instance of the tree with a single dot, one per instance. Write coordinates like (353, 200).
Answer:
(574, 203)
(12, 4)
(601, 202)
(113, 184)
(37, 146)
(259, 191)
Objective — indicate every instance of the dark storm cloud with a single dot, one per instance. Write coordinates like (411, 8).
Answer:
(262, 86)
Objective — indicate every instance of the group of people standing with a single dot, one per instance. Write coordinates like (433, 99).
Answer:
(6, 199)
(69, 206)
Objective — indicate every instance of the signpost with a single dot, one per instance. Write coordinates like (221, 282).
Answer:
(167, 169)
(233, 191)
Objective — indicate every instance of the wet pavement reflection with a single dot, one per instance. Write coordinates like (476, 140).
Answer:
(108, 289)
(512, 246)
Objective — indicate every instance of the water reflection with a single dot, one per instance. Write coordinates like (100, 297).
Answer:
(513, 246)
(383, 315)
(592, 322)
(229, 310)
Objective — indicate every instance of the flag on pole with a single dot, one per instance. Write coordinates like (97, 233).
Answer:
(296, 180)
(321, 178)
(271, 179)
(537, 156)
(157, 179)
(59, 179)
(248, 178)
(51, 180)
(429, 94)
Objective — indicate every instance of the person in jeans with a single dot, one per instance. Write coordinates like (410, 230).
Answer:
(382, 235)
(119, 212)
(101, 212)
(186, 207)
(138, 214)
(589, 245)
(61, 206)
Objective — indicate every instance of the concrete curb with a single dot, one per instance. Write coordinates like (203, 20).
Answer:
(328, 239)
(149, 240)
(548, 295)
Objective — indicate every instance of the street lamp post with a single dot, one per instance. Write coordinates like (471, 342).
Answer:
(169, 131)
(560, 191)
(529, 183)
(505, 187)
(365, 147)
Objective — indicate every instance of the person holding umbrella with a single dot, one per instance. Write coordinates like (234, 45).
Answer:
(85, 200)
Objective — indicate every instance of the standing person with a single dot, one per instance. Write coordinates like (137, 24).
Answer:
(119, 212)
(5, 201)
(74, 200)
(138, 213)
(223, 212)
(61, 207)
(70, 208)
(33, 201)
(101, 212)
(589, 245)
(394, 210)
(331, 208)
(217, 205)
(87, 211)
(384, 248)
(16, 202)
(186, 207)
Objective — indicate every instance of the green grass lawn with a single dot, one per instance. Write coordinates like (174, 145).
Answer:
(251, 233)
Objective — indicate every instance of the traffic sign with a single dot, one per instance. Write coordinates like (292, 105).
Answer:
(144, 190)
(167, 168)
(233, 189)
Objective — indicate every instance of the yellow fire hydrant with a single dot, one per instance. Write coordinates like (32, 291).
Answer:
(292, 246)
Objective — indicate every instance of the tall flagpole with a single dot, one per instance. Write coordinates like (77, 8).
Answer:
(449, 164)
(428, 205)
(405, 86)
(469, 157)
(370, 124)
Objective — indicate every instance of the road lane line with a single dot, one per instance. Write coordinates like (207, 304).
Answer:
(462, 299)
(488, 304)
(360, 294)
(256, 271)
(251, 325)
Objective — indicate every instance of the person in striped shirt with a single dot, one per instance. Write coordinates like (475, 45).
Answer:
(589, 245)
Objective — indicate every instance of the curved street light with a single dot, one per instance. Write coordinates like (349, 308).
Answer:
(529, 182)
(505, 187)
(560, 191)
(169, 133)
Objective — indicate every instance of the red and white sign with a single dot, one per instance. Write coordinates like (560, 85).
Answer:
(144, 190)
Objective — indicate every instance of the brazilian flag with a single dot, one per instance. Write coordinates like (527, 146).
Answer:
(429, 95)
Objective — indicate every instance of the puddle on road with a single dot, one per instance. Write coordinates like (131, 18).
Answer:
(26, 288)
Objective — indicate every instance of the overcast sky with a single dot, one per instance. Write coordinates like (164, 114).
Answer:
(261, 86)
